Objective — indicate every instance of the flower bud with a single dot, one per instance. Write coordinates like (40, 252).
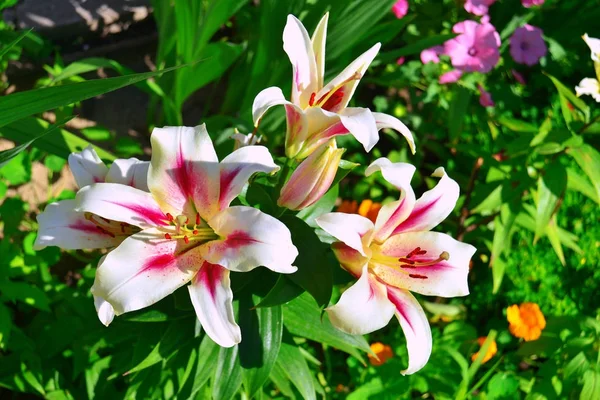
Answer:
(312, 179)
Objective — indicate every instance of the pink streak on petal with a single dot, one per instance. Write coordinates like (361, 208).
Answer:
(210, 275)
(238, 239)
(158, 263)
(225, 181)
(418, 212)
(154, 216)
(88, 227)
(399, 307)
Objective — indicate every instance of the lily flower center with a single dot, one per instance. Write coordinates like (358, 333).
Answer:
(417, 258)
(334, 96)
(180, 228)
(111, 228)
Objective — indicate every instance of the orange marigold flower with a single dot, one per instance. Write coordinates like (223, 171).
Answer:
(525, 321)
(383, 353)
(369, 209)
(348, 207)
(491, 351)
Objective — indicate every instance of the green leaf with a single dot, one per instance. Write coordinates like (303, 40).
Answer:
(458, 109)
(302, 317)
(12, 44)
(293, 365)
(284, 291)
(568, 99)
(324, 205)
(591, 385)
(588, 159)
(25, 293)
(227, 378)
(177, 334)
(355, 17)
(23, 104)
(580, 184)
(554, 238)
(261, 330)
(549, 148)
(576, 366)
(517, 125)
(315, 261)
(62, 143)
(7, 155)
(217, 57)
(417, 47)
(208, 354)
(344, 169)
(551, 187)
(503, 225)
(5, 326)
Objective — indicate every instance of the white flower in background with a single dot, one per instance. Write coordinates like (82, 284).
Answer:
(591, 86)
(318, 112)
(396, 255)
(242, 140)
(185, 230)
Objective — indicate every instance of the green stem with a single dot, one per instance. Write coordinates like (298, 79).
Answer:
(284, 175)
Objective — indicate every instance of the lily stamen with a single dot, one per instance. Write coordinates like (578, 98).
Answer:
(111, 228)
(406, 263)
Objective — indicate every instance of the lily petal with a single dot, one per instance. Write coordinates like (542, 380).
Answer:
(250, 238)
(87, 167)
(297, 45)
(297, 130)
(131, 171)
(212, 298)
(433, 206)
(361, 124)
(120, 203)
(184, 171)
(267, 98)
(447, 259)
(384, 121)
(318, 44)
(60, 225)
(351, 229)
(363, 308)
(144, 269)
(322, 126)
(239, 166)
(105, 311)
(416, 328)
(393, 214)
(336, 94)
(350, 259)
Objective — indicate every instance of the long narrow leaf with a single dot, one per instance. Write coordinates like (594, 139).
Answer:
(23, 104)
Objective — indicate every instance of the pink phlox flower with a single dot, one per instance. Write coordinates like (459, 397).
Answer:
(531, 3)
(400, 8)
(485, 97)
(527, 45)
(432, 54)
(475, 49)
(519, 77)
(478, 7)
(450, 76)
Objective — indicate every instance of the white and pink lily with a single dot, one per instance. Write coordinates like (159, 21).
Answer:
(318, 112)
(186, 231)
(396, 255)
